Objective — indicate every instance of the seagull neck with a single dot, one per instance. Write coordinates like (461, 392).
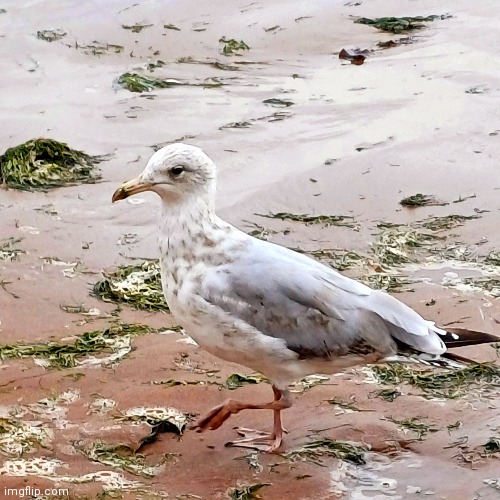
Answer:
(193, 233)
(186, 222)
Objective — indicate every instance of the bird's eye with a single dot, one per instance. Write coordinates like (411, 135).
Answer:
(177, 170)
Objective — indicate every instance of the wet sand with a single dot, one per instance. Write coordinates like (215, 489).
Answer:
(418, 130)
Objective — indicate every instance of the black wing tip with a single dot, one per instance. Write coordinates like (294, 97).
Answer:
(461, 337)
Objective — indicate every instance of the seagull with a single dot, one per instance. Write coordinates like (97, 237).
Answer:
(262, 305)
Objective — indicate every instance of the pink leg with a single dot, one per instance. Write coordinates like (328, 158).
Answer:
(252, 439)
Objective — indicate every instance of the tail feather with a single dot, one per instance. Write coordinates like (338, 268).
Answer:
(461, 337)
(453, 337)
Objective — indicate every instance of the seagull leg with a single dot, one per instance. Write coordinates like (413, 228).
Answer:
(277, 413)
(252, 439)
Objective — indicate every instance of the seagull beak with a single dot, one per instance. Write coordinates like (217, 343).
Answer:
(131, 187)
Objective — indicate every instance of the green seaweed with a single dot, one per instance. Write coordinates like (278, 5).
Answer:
(76, 309)
(347, 260)
(213, 64)
(46, 163)
(121, 456)
(247, 492)
(51, 35)
(476, 90)
(142, 83)
(493, 258)
(97, 48)
(232, 46)
(151, 66)
(174, 383)
(486, 284)
(260, 232)
(337, 258)
(8, 250)
(237, 380)
(445, 222)
(275, 117)
(48, 209)
(387, 44)
(492, 446)
(452, 383)
(389, 282)
(136, 28)
(326, 447)
(171, 27)
(340, 260)
(306, 383)
(137, 285)
(61, 355)
(273, 29)
(388, 394)
(278, 103)
(19, 437)
(480, 453)
(454, 426)
(156, 416)
(416, 425)
(343, 404)
(326, 220)
(159, 419)
(236, 125)
(421, 200)
(399, 244)
(398, 24)
(135, 82)
(394, 246)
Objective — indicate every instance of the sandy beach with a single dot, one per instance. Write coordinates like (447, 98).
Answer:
(353, 140)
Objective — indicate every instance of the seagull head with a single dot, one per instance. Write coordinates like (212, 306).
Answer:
(177, 173)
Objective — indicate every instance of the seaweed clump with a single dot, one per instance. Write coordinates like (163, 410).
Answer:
(493, 258)
(327, 220)
(326, 447)
(247, 492)
(141, 83)
(399, 24)
(421, 200)
(46, 163)
(394, 246)
(445, 222)
(51, 35)
(114, 340)
(136, 28)
(237, 380)
(416, 425)
(159, 419)
(451, 383)
(19, 438)
(232, 46)
(135, 82)
(8, 250)
(136, 285)
(97, 48)
(123, 457)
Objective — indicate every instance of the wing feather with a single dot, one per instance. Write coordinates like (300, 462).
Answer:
(312, 307)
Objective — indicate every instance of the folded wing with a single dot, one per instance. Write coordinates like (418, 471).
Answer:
(317, 311)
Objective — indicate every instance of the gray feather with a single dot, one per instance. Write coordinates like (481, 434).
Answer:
(317, 311)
